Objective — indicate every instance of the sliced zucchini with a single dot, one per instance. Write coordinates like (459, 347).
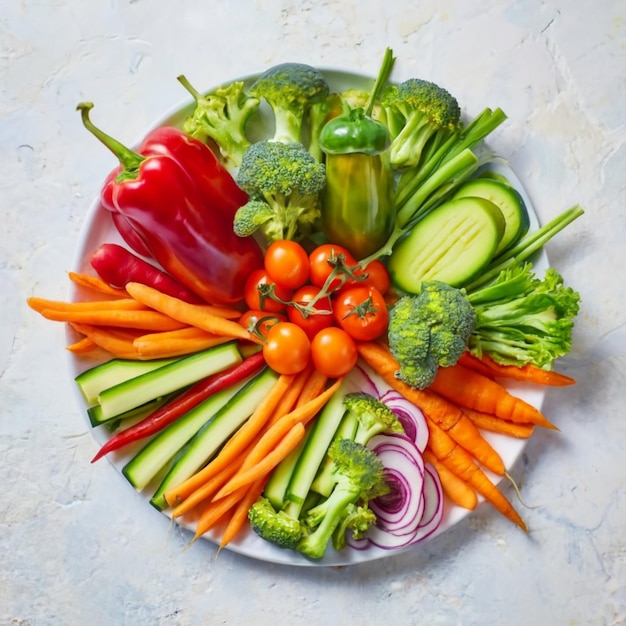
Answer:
(452, 243)
(94, 380)
(508, 200)
(96, 417)
(215, 432)
(182, 372)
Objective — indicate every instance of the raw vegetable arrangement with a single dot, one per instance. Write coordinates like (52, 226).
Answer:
(305, 327)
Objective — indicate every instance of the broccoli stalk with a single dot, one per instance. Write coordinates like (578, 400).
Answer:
(222, 116)
(290, 89)
(360, 478)
(429, 330)
(523, 319)
(283, 182)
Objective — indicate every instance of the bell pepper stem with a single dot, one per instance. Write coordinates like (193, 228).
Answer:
(129, 160)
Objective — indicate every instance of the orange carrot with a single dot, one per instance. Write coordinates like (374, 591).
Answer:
(105, 339)
(190, 314)
(459, 462)
(215, 512)
(314, 386)
(82, 346)
(176, 342)
(527, 373)
(121, 304)
(247, 475)
(459, 492)
(291, 396)
(145, 320)
(96, 284)
(496, 425)
(468, 388)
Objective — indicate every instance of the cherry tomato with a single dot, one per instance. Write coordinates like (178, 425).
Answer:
(377, 276)
(323, 260)
(251, 320)
(287, 349)
(287, 264)
(361, 311)
(252, 296)
(333, 352)
(313, 323)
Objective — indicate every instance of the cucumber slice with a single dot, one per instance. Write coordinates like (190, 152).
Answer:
(215, 432)
(149, 461)
(452, 243)
(182, 372)
(94, 380)
(508, 200)
(96, 417)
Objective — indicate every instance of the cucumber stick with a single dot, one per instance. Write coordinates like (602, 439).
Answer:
(212, 435)
(149, 461)
(166, 379)
(452, 243)
(94, 380)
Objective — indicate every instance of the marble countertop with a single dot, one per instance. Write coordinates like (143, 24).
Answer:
(78, 545)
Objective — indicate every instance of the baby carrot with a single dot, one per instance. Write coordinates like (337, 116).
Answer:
(176, 342)
(103, 337)
(145, 320)
(82, 346)
(497, 425)
(120, 304)
(459, 492)
(96, 284)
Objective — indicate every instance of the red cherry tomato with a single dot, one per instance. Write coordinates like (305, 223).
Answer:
(361, 311)
(377, 276)
(313, 323)
(260, 321)
(287, 349)
(323, 260)
(252, 295)
(287, 264)
(333, 352)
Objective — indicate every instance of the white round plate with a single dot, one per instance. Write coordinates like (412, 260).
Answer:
(98, 228)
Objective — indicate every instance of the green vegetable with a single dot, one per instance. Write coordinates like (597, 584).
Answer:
(290, 89)
(429, 330)
(222, 116)
(358, 520)
(283, 182)
(360, 477)
(421, 116)
(275, 526)
(357, 203)
(523, 319)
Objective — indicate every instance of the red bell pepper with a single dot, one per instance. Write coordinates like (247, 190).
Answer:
(178, 208)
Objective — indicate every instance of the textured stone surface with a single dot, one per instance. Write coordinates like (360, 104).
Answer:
(77, 544)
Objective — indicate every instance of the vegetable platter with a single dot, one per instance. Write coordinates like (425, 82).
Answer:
(300, 409)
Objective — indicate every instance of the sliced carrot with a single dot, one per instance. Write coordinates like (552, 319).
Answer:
(459, 492)
(496, 425)
(189, 314)
(145, 320)
(459, 462)
(214, 512)
(121, 304)
(96, 284)
(526, 373)
(468, 388)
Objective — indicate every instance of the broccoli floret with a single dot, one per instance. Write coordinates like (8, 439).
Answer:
(287, 180)
(360, 478)
(222, 116)
(373, 415)
(419, 113)
(429, 330)
(275, 526)
(290, 89)
(523, 319)
(357, 520)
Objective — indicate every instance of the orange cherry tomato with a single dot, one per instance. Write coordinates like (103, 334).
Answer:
(312, 323)
(287, 349)
(361, 311)
(377, 276)
(323, 260)
(287, 264)
(252, 296)
(333, 352)
(260, 321)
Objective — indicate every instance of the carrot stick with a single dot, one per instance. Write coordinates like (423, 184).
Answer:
(103, 338)
(191, 314)
(315, 385)
(459, 462)
(121, 304)
(146, 320)
(459, 492)
(468, 388)
(240, 514)
(176, 342)
(496, 425)
(290, 398)
(82, 346)
(527, 373)
(256, 471)
(96, 284)
(214, 512)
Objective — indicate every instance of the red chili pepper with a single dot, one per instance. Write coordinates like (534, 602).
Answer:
(117, 266)
(179, 215)
(176, 408)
